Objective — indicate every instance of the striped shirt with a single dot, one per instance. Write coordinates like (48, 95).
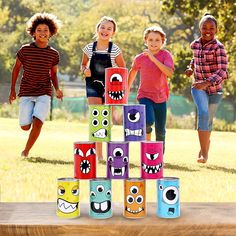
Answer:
(115, 51)
(209, 63)
(37, 64)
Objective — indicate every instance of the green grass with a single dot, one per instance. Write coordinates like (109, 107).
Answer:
(35, 179)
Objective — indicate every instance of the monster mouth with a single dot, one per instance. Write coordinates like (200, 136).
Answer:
(116, 95)
(118, 171)
(101, 133)
(66, 207)
(171, 211)
(85, 166)
(134, 212)
(136, 132)
(101, 207)
(151, 169)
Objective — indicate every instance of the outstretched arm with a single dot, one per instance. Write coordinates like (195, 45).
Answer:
(54, 79)
(14, 77)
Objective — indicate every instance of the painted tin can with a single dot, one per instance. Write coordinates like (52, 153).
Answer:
(100, 198)
(168, 197)
(134, 198)
(84, 160)
(134, 123)
(116, 85)
(99, 123)
(118, 160)
(152, 160)
(68, 198)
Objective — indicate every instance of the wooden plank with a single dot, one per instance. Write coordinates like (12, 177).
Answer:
(216, 219)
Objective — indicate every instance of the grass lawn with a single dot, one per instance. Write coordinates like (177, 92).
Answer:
(35, 179)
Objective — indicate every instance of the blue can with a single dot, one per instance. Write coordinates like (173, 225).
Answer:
(168, 197)
(100, 198)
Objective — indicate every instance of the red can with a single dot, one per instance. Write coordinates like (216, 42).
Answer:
(116, 85)
(84, 160)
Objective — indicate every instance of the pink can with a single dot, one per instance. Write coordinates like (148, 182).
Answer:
(116, 85)
(152, 160)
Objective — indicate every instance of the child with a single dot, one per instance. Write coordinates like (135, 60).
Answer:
(97, 56)
(209, 65)
(39, 62)
(155, 65)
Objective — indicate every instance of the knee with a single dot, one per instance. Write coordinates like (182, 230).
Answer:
(26, 127)
(37, 123)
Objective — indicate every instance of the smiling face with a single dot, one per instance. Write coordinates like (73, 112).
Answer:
(154, 41)
(68, 198)
(105, 30)
(42, 34)
(208, 30)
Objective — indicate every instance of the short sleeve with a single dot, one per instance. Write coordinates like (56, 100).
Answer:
(116, 50)
(88, 50)
(168, 60)
(136, 64)
(20, 54)
(57, 59)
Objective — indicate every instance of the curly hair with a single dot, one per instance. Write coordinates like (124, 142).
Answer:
(155, 29)
(43, 18)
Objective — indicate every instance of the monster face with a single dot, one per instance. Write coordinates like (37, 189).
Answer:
(134, 123)
(100, 198)
(134, 198)
(168, 197)
(116, 86)
(118, 160)
(84, 160)
(151, 160)
(100, 123)
(68, 198)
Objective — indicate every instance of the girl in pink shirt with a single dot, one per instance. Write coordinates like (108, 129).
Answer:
(155, 64)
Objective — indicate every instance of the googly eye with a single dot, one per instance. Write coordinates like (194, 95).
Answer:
(100, 188)
(116, 78)
(130, 199)
(79, 152)
(118, 152)
(105, 112)
(134, 116)
(125, 159)
(91, 151)
(110, 158)
(92, 194)
(105, 122)
(95, 112)
(61, 191)
(139, 199)
(95, 122)
(152, 157)
(170, 195)
(134, 189)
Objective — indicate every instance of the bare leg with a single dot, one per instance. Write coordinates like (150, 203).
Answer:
(33, 136)
(204, 139)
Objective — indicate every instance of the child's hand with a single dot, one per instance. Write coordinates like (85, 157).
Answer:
(201, 85)
(188, 72)
(59, 94)
(149, 54)
(12, 96)
(87, 72)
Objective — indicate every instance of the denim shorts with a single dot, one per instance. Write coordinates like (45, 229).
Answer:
(207, 105)
(30, 107)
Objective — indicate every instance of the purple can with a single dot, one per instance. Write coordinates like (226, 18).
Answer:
(118, 160)
(134, 123)
(152, 160)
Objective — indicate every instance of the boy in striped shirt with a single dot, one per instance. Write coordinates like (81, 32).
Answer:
(39, 62)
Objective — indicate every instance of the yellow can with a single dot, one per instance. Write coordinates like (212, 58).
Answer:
(68, 198)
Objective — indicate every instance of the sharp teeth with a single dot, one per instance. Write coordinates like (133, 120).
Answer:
(104, 206)
(128, 209)
(139, 209)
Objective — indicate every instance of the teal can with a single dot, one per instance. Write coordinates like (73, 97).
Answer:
(100, 198)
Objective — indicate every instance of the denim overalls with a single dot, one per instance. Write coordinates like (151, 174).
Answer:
(95, 85)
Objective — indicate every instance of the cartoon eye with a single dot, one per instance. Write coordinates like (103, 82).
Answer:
(170, 195)
(118, 152)
(79, 152)
(105, 113)
(152, 157)
(139, 199)
(91, 151)
(92, 194)
(130, 199)
(61, 190)
(160, 187)
(133, 115)
(105, 122)
(95, 122)
(108, 193)
(75, 190)
(125, 159)
(95, 112)
(134, 189)
(100, 188)
(116, 77)
(110, 158)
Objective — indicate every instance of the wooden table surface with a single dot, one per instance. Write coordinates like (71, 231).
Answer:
(40, 219)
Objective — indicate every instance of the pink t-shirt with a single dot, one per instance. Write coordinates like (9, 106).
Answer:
(153, 82)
